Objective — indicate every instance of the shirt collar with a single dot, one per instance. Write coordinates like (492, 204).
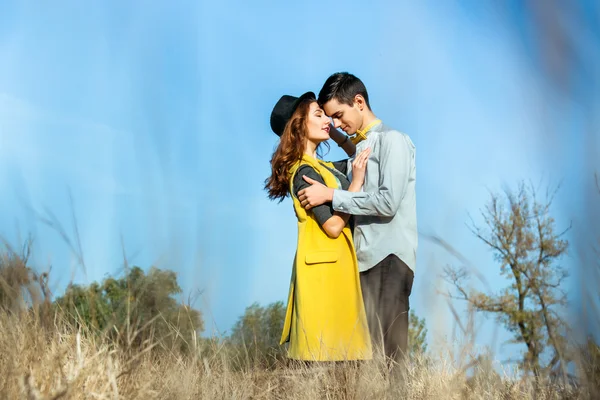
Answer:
(361, 134)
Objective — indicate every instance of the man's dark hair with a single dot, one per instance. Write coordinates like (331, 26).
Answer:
(342, 87)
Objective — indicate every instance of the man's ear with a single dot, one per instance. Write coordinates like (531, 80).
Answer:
(360, 102)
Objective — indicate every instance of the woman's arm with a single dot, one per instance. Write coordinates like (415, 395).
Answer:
(342, 141)
(341, 166)
(331, 221)
(324, 212)
(334, 225)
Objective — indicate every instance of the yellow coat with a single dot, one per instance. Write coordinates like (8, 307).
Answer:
(325, 318)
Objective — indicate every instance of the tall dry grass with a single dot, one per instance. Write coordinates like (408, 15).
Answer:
(44, 356)
(49, 359)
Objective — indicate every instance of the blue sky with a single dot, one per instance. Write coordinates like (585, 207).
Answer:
(155, 118)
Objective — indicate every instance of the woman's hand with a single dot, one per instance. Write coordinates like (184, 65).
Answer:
(359, 169)
(334, 225)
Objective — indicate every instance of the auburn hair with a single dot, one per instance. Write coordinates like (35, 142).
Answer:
(292, 146)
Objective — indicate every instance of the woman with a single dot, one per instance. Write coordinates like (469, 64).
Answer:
(325, 318)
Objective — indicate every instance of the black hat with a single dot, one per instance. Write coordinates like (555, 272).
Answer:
(284, 109)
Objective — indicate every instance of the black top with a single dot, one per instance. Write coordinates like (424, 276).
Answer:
(324, 211)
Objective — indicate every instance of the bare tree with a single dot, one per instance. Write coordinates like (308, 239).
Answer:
(521, 233)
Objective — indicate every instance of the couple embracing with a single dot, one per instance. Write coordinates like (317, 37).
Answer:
(357, 233)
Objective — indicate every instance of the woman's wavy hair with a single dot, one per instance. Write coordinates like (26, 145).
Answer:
(292, 146)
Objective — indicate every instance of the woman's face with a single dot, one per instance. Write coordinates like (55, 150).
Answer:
(317, 124)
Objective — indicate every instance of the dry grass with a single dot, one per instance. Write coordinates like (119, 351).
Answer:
(57, 362)
(42, 356)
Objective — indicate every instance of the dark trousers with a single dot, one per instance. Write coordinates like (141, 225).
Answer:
(386, 288)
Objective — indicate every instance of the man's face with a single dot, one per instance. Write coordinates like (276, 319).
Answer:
(348, 118)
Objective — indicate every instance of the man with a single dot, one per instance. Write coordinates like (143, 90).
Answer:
(385, 226)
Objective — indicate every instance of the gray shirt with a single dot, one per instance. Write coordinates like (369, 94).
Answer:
(385, 219)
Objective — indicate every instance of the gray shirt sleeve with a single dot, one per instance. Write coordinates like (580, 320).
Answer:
(341, 166)
(324, 211)
(395, 160)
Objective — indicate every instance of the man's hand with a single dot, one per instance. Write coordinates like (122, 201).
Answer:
(314, 195)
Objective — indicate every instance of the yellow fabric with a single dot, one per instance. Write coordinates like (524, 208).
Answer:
(362, 134)
(325, 317)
